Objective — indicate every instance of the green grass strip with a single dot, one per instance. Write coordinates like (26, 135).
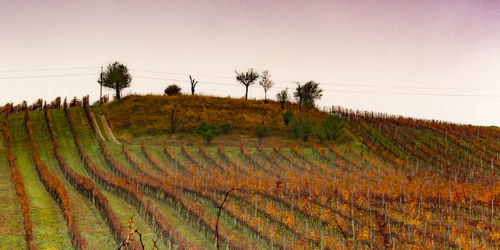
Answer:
(49, 226)
(190, 232)
(123, 209)
(94, 229)
(11, 224)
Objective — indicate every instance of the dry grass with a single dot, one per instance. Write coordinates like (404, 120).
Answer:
(136, 115)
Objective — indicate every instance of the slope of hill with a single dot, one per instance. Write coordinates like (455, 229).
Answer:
(152, 114)
(399, 183)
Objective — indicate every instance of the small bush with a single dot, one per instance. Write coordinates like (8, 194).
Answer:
(209, 130)
(332, 127)
(261, 131)
(225, 127)
(301, 128)
(173, 90)
(204, 127)
(287, 117)
(319, 131)
(208, 135)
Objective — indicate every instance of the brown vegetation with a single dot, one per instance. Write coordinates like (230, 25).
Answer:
(150, 115)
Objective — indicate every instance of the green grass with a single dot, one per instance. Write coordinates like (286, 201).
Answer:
(123, 210)
(135, 151)
(162, 157)
(50, 230)
(94, 230)
(87, 137)
(11, 225)
(49, 226)
(180, 222)
(116, 151)
(191, 233)
(196, 154)
(229, 222)
(65, 142)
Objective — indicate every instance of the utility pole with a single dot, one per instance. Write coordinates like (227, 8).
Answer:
(100, 94)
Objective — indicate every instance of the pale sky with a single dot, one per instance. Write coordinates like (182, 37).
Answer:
(424, 59)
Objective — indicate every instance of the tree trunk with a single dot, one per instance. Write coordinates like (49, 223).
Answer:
(246, 92)
(192, 89)
(265, 96)
(117, 89)
(172, 121)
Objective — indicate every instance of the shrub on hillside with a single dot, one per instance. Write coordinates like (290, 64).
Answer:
(208, 130)
(319, 132)
(301, 128)
(173, 90)
(287, 117)
(205, 126)
(261, 131)
(225, 127)
(332, 127)
(208, 135)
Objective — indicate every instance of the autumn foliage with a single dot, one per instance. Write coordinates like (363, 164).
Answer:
(56, 188)
(149, 115)
(402, 183)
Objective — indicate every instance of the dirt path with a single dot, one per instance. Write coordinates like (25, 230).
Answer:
(108, 130)
(98, 130)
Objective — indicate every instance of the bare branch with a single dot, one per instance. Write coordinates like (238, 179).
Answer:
(218, 215)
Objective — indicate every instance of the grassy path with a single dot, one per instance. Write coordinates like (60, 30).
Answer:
(87, 137)
(135, 150)
(65, 141)
(11, 225)
(123, 209)
(49, 226)
(94, 230)
(157, 151)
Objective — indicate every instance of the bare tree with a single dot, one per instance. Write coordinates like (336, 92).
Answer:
(193, 84)
(247, 79)
(266, 83)
(218, 215)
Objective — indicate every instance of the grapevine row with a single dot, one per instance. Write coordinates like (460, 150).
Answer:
(22, 195)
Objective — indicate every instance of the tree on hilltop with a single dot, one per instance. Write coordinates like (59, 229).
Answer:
(115, 77)
(172, 90)
(282, 97)
(266, 83)
(307, 94)
(248, 78)
(193, 84)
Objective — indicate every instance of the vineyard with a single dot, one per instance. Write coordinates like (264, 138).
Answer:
(400, 183)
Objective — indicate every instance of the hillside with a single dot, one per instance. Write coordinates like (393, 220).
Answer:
(387, 182)
(151, 115)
